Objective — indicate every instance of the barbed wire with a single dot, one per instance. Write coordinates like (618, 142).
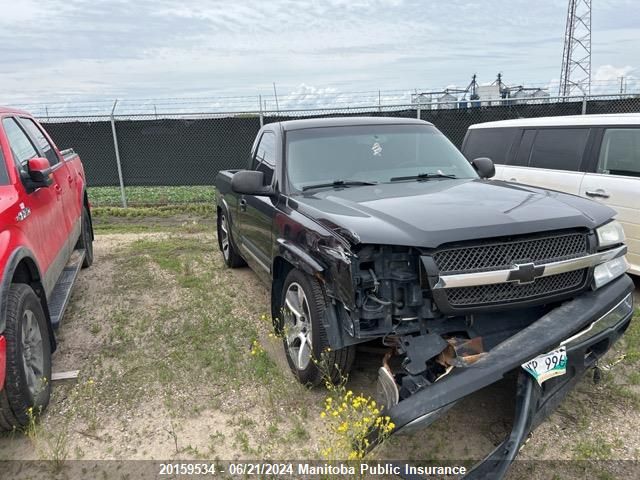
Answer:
(304, 99)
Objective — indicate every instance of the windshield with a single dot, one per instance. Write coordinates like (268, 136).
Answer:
(371, 153)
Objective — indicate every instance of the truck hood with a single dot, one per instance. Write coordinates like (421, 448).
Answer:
(430, 213)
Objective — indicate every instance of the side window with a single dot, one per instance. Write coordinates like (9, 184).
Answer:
(45, 146)
(21, 146)
(494, 143)
(620, 152)
(559, 148)
(265, 158)
(524, 150)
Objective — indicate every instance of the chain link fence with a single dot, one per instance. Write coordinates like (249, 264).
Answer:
(160, 158)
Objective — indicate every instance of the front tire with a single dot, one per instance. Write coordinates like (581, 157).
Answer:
(28, 372)
(303, 334)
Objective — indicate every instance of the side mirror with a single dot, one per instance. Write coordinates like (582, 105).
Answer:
(250, 182)
(484, 166)
(39, 172)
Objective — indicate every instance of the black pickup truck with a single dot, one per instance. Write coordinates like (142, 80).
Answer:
(378, 229)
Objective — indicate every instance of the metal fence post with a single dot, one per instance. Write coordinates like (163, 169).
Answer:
(419, 111)
(584, 104)
(261, 115)
(117, 150)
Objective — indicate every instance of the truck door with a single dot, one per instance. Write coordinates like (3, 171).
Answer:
(255, 214)
(42, 214)
(71, 204)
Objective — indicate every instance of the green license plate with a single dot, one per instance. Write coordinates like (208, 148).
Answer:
(548, 365)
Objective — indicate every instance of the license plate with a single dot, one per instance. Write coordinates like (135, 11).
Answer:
(548, 365)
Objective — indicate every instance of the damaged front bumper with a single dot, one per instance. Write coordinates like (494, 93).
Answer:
(587, 326)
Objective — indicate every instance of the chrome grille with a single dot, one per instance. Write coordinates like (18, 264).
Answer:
(506, 292)
(503, 255)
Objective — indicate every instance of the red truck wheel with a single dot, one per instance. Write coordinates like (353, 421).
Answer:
(27, 385)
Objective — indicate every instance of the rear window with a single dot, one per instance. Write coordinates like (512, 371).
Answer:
(489, 142)
(559, 148)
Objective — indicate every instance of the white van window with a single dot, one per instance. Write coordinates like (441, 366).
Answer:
(620, 152)
(559, 148)
(489, 142)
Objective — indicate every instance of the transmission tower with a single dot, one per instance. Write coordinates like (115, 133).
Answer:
(575, 76)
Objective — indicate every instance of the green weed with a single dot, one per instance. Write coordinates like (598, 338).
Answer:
(144, 196)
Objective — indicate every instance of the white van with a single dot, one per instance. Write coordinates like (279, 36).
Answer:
(595, 156)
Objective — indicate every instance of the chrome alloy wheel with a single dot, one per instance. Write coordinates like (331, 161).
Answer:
(32, 352)
(224, 236)
(297, 326)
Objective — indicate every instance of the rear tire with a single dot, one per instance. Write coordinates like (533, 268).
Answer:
(28, 373)
(231, 258)
(86, 238)
(303, 334)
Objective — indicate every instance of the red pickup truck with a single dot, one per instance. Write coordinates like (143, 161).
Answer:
(46, 236)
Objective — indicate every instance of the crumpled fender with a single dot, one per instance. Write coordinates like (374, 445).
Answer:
(297, 257)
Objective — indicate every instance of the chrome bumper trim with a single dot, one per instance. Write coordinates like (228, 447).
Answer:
(608, 320)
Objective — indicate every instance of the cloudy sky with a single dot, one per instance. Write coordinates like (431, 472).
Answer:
(92, 49)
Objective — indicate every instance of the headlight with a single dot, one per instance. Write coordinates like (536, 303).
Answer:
(607, 271)
(610, 234)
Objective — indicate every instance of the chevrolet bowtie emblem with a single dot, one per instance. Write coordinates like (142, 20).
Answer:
(525, 273)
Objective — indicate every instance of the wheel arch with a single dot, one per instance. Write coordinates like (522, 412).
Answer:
(21, 267)
(280, 269)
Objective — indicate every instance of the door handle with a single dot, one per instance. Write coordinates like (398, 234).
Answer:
(597, 193)
(513, 179)
(243, 205)
(70, 178)
(57, 188)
